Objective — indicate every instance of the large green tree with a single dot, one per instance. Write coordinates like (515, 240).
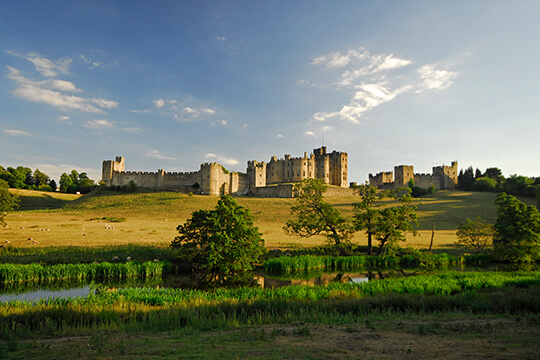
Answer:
(312, 215)
(8, 201)
(517, 230)
(367, 216)
(475, 234)
(387, 223)
(223, 243)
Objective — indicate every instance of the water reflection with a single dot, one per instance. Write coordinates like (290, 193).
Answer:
(37, 295)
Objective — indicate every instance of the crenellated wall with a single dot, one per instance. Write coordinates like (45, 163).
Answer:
(211, 179)
(214, 179)
(443, 177)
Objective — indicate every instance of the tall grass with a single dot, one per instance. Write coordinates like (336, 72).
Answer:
(162, 309)
(287, 264)
(11, 273)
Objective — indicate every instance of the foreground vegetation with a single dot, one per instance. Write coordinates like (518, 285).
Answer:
(492, 314)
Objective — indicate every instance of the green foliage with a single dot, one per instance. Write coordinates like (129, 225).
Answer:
(314, 216)
(517, 230)
(10, 273)
(8, 201)
(387, 224)
(485, 184)
(466, 179)
(222, 243)
(475, 234)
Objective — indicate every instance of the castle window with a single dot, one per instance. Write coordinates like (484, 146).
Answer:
(304, 173)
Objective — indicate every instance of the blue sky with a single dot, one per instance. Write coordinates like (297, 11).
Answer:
(173, 84)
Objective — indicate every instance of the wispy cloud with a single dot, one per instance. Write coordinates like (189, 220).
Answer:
(221, 38)
(54, 92)
(98, 124)
(158, 155)
(182, 112)
(375, 79)
(46, 67)
(16, 133)
(221, 159)
(64, 118)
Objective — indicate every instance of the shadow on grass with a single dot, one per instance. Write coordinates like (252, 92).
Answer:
(42, 202)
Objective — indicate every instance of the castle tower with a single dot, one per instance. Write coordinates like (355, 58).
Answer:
(110, 167)
(403, 174)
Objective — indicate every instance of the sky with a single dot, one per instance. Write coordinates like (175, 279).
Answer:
(173, 84)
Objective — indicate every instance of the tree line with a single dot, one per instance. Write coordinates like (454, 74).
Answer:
(492, 180)
(25, 178)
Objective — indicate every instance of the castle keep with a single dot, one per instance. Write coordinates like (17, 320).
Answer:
(271, 179)
(443, 177)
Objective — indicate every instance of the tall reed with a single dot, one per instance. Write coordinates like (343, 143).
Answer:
(10, 273)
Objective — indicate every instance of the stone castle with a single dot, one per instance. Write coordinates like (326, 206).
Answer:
(443, 177)
(272, 179)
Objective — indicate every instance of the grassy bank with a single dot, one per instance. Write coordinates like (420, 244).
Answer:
(151, 218)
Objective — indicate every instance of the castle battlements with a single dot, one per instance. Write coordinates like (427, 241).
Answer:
(213, 178)
(443, 177)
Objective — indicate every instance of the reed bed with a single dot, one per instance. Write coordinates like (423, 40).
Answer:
(288, 264)
(161, 309)
(13, 273)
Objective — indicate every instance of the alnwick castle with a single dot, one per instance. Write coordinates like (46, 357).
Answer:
(272, 179)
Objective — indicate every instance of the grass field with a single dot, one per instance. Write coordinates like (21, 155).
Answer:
(150, 219)
(477, 319)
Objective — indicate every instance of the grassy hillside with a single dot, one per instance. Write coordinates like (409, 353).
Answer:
(104, 219)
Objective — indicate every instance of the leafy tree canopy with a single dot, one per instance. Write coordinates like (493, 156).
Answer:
(222, 243)
(386, 224)
(8, 201)
(517, 230)
(312, 215)
(475, 234)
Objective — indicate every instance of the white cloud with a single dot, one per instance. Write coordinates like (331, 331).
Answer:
(309, 133)
(279, 136)
(17, 133)
(221, 38)
(46, 67)
(64, 118)
(221, 159)
(371, 81)
(157, 154)
(435, 79)
(98, 124)
(159, 103)
(140, 111)
(53, 92)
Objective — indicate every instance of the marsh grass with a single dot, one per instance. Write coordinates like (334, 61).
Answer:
(153, 309)
(12, 273)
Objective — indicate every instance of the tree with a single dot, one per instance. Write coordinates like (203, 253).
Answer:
(65, 182)
(466, 179)
(40, 178)
(477, 174)
(16, 178)
(221, 243)
(367, 217)
(475, 234)
(8, 201)
(517, 230)
(388, 224)
(495, 174)
(485, 184)
(314, 216)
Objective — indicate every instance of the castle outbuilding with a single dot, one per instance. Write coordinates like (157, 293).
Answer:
(442, 177)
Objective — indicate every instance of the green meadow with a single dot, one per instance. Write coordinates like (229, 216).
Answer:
(441, 314)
